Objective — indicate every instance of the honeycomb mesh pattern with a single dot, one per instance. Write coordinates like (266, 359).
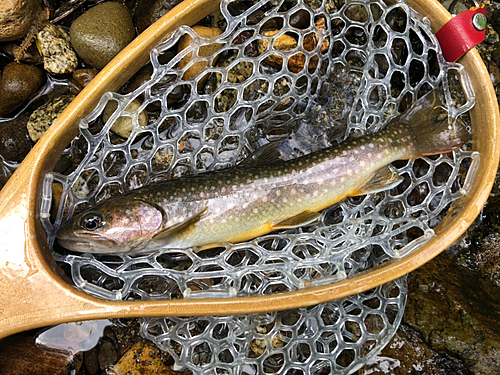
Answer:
(333, 338)
(343, 70)
(359, 65)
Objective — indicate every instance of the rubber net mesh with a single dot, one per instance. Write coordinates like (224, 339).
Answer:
(308, 74)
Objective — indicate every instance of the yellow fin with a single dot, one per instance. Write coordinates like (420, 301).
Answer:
(300, 220)
(383, 179)
(164, 236)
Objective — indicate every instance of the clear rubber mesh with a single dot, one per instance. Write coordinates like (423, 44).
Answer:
(332, 338)
(343, 70)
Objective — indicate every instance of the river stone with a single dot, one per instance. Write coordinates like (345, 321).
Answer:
(44, 116)
(55, 47)
(81, 78)
(16, 17)
(18, 84)
(123, 125)
(455, 311)
(15, 142)
(101, 33)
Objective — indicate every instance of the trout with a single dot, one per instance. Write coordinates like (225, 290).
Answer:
(249, 200)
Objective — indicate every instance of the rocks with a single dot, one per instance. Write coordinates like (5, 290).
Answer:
(16, 17)
(186, 40)
(81, 78)
(15, 142)
(455, 311)
(18, 84)
(142, 359)
(31, 55)
(20, 355)
(101, 33)
(41, 119)
(55, 47)
(123, 125)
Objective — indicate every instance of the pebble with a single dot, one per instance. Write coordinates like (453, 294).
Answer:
(16, 17)
(206, 50)
(44, 116)
(55, 48)
(123, 125)
(18, 84)
(101, 33)
(107, 356)
(81, 78)
(15, 142)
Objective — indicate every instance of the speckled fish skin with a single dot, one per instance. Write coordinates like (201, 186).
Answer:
(245, 202)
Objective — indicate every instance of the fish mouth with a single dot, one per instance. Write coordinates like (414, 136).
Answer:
(85, 242)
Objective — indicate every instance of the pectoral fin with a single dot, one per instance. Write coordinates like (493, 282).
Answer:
(267, 154)
(300, 220)
(383, 179)
(164, 237)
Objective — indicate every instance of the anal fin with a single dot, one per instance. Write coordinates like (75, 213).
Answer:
(300, 220)
(383, 179)
(164, 236)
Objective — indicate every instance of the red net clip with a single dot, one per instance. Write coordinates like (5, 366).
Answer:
(462, 32)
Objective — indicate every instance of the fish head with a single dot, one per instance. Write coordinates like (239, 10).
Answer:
(116, 226)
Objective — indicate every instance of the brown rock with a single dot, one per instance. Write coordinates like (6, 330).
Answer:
(101, 33)
(19, 355)
(15, 142)
(142, 359)
(186, 40)
(406, 354)
(455, 311)
(81, 78)
(16, 17)
(18, 84)
(107, 355)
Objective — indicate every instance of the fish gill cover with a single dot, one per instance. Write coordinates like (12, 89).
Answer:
(308, 74)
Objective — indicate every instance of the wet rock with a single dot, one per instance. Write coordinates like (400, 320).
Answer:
(20, 355)
(81, 78)
(101, 33)
(491, 36)
(494, 72)
(44, 116)
(30, 55)
(487, 258)
(58, 55)
(123, 125)
(406, 354)
(148, 12)
(18, 84)
(91, 361)
(16, 17)
(142, 359)
(141, 77)
(186, 40)
(456, 312)
(15, 142)
(107, 355)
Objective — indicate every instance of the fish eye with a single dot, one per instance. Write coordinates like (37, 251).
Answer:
(91, 221)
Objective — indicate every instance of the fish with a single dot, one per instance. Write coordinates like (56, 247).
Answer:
(260, 196)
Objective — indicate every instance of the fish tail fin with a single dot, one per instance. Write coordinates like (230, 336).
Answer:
(431, 128)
